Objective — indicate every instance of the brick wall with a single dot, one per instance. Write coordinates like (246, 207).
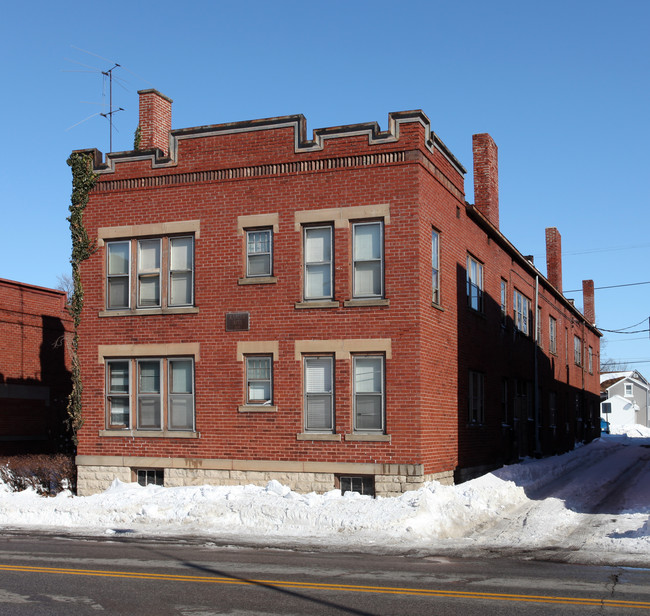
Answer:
(34, 367)
(270, 169)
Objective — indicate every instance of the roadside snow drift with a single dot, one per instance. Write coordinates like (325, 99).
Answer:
(593, 500)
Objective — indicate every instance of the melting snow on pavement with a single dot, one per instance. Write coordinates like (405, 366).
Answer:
(592, 503)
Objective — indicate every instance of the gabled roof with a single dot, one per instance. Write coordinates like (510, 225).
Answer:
(605, 385)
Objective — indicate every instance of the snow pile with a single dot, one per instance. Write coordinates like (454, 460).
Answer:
(538, 503)
(632, 431)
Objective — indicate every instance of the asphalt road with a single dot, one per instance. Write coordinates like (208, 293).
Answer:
(53, 575)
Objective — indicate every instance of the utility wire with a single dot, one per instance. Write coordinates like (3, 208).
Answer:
(613, 286)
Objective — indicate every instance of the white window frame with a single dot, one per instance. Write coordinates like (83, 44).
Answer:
(590, 356)
(538, 318)
(474, 283)
(435, 266)
(173, 396)
(359, 263)
(188, 272)
(629, 390)
(120, 275)
(378, 393)
(325, 394)
(250, 379)
(164, 273)
(552, 335)
(112, 394)
(165, 396)
(149, 274)
(251, 254)
(577, 350)
(476, 397)
(521, 307)
(318, 264)
(504, 300)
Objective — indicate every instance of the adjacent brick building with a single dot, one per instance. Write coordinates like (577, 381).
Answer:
(326, 312)
(34, 368)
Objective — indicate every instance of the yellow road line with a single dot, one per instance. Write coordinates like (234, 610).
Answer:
(422, 592)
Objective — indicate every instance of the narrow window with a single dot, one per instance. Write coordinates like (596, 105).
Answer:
(552, 335)
(118, 400)
(118, 286)
(368, 256)
(259, 389)
(577, 351)
(591, 360)
(521, 312)
(476, 397)
(149, 403)
(149, 273)
(504, 301)
(368, 393)
(435, 266)
(538, 318)
(318, 262)
(181, 271)
(180, 405)
(319, 394)
(259, 256)
(474, 284)
(628, 390)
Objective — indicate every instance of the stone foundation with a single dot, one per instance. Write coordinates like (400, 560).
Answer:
(390, 479)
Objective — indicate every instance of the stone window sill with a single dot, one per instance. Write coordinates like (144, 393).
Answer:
(257, 408)
(258, 280)
(142, 312)
(150, 433)
(316, 304)
(376, 438)
(357, 303)
(316, 436)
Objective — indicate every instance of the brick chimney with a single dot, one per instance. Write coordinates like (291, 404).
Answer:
(486, 177)
(588, 301)
(554, 257)
(155, 120)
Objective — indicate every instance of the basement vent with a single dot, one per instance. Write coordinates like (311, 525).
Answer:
(363, 484)
(149, 476)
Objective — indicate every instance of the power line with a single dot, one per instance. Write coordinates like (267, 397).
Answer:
(613, 286)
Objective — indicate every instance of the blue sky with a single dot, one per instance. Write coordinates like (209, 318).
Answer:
(562, 86)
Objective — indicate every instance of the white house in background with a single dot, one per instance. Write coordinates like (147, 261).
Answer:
(625, 398)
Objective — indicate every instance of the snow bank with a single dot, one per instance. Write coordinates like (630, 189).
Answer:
(433, 516)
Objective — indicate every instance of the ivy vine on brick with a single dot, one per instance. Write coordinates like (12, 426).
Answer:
(83, 181)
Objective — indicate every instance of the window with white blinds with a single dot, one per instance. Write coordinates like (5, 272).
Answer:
(319, 394)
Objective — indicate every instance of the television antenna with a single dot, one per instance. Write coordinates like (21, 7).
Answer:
(107, 75)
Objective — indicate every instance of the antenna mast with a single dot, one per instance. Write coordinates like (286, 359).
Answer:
(109, 73)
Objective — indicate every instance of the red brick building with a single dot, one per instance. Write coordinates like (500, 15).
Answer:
(34, 367)
(326, 312)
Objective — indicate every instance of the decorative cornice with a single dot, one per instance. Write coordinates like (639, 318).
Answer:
(298, 123)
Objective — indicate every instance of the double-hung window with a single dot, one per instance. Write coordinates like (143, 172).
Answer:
(259, 253)
(552, 335)
(161, 277)
(259, 381)
(474, 284)
(476, 393)
(591, 360)
(504, 301)
(368, 260)
(318, 263)
(435, 266)
(319, 394)
(577, 350)
(150, 393)
(118, 393)
(368, 391)
(118, 275)
(521, 312)
(181, 271)
(149, 273)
